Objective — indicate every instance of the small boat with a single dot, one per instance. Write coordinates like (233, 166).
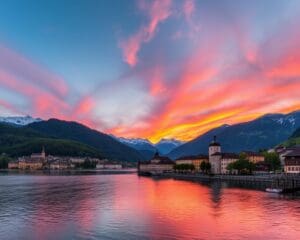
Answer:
(274, 190)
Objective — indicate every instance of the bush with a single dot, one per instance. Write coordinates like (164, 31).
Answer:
(4, 160)
(184, 167)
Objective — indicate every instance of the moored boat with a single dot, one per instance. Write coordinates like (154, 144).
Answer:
(274, 190)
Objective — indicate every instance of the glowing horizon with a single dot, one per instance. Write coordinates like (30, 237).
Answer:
(150, 69)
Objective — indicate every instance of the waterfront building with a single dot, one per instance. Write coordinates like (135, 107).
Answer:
(34, 162)
(156, 165)
(13, 165)
(218, 160)
(254, 157)
(193, 160)
(108, 166)
(26, 163)
(77, 160)
(59, 164)
(292, 161)
(283, 151)
(39, 156)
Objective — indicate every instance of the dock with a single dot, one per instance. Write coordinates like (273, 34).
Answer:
(287, 182)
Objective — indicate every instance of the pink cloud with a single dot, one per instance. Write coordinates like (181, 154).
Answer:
(188, 8)
(157, 11)
(31, 73)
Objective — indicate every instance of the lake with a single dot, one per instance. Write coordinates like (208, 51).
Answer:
(125, 206)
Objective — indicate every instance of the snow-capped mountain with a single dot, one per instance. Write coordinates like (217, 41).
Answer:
(19, 120)
(164, 146)
(144, 146)
(138, 143)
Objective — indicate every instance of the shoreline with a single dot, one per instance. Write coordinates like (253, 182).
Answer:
(45, 172)
(259, 182)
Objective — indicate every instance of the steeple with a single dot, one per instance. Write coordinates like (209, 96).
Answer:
(214, 142)
(43, 153)
(214, 147)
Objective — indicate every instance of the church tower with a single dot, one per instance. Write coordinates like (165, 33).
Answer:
(215, 156)
(214, 147)
(43, 153)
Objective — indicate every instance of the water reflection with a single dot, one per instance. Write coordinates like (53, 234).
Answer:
(131, 207)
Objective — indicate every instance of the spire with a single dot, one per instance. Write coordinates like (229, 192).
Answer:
(43, 154)
(214, 142)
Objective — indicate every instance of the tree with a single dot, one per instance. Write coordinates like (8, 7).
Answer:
(205, 166)
(87, 164)
(184, 167)
(4, 160)
(208, 167)
(272, 160)
(242, 165)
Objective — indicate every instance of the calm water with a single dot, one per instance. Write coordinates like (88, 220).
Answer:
(130, 207)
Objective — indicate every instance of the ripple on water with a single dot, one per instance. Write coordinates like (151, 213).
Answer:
(131, 207)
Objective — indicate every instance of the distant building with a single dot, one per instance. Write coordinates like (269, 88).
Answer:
(157, 165)
(108, 166)
(59, 164)
(26, 163)
(254, 157)
(34, 162)
(39, 156)
(283, 151)
(77, 160)
(193, 160)
(13, 165)
(292, 161)
(218, 160)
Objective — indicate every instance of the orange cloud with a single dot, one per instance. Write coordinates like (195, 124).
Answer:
(258, 78)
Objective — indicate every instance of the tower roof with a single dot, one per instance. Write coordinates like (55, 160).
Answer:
(214, 142)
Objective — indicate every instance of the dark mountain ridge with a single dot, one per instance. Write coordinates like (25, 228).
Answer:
(262, 133)
(109, 147)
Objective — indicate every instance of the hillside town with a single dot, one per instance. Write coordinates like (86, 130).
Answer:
(218, 162)
(40, 161)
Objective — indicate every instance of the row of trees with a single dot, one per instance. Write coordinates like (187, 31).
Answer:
(204, 166)
(87, 164)
(184, 167)
(241, 166)
(244, 166)
(4, 160)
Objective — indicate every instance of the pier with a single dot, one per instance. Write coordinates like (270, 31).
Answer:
(286, 182)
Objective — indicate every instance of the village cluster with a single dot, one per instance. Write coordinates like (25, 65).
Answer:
(219, 161)
(39, 161)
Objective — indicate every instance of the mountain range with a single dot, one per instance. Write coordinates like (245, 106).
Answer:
(148, 149)
(293, 140)
(261, 133)
(19, 135)
(74, 138)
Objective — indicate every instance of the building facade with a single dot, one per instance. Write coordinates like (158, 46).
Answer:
(26, 163)
(254, 157)
(218, 160)
(157, 165)
(193, 160)
(292, 162)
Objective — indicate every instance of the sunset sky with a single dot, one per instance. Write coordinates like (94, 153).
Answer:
(149, 69)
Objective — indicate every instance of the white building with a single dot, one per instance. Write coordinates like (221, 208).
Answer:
(218, 160)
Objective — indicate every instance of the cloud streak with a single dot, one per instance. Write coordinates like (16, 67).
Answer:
(157, 12)
(239, 65)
